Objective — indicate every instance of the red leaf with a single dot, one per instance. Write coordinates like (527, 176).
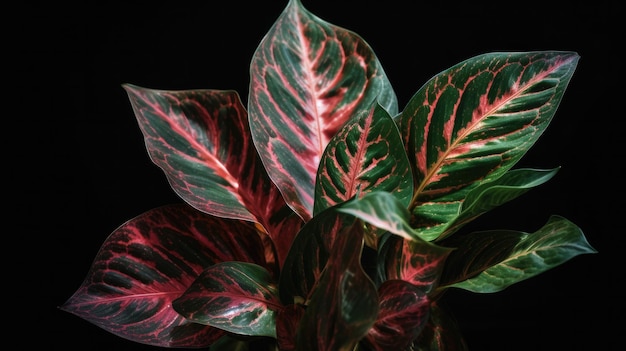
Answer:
(151, 260)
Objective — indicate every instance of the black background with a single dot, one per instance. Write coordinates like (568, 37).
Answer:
(84, 169)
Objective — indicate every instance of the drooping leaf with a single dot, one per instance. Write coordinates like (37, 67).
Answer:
(383, 211)
(344, 303)
(201, 140)
(366, 155)
(151, 260)
(307, 78)
(490, 261)
(238, 297)
(403, 312)
(487, 196)
(471, 123)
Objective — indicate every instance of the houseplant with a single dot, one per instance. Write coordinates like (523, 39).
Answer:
(321, 216)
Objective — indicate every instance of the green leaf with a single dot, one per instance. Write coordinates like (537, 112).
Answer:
(471, 123)
(490, 195)
(366, 155)
(490, 261)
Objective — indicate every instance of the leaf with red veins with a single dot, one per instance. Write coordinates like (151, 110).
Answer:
(151, 260)
(201, 140)
(473, 122)
(366, 155)
(308, 78)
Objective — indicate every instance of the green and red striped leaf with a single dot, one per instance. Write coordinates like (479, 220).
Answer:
(418, 262)
(366, 155)
(344, 303)
(238, 297)
(150, 261)
(471, 123)
(201, 140)
(441, 333)
(490, 261)
(403, 313)
(307, 78)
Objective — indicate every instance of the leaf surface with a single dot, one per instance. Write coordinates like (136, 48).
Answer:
(344, 304)
(201, 140)
(307, 78)
(490, 261)
(471, 123)
(150, 261)
(403, 313)
(366, 155)
(238, 297)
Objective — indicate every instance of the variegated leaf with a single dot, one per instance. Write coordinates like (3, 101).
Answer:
(201, 140)
(307, 78)
(238, 297)
(344, 303)
(151, 260)
(367, 154)
(404, 311)
(471, 123)
(287, 322)
(490, 195)
(490, 261)
(309, 254)
(418, 262)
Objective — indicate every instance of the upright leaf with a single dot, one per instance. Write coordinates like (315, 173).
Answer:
(344, 304)
(490, 261)
(307, 78)
(201, 140)
(366, 155)
(150, 261)
(471, 123)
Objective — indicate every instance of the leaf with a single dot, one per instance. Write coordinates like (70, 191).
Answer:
(201, 140)
(490, 261)
(403, 312)
(307, 78)
(490, 195)
(151, 260)
(366, 155)
(382, 210)
(287, 322)
(309, 254)
(471, 123)
(418, 262)
(441, 333)
(238, 297)
(344, 304)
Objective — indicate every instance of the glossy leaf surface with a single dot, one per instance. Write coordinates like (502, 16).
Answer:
(238, 297)
(471, 123)
(490, 261)
(403, 312)
(490, 195)
(201, 140)
(366, 155)
(307, 78)
(150, 261)
(344, 304)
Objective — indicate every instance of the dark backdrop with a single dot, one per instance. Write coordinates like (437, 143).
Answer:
(87, 171)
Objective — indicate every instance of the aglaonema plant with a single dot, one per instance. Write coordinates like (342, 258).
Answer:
(320, 216)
